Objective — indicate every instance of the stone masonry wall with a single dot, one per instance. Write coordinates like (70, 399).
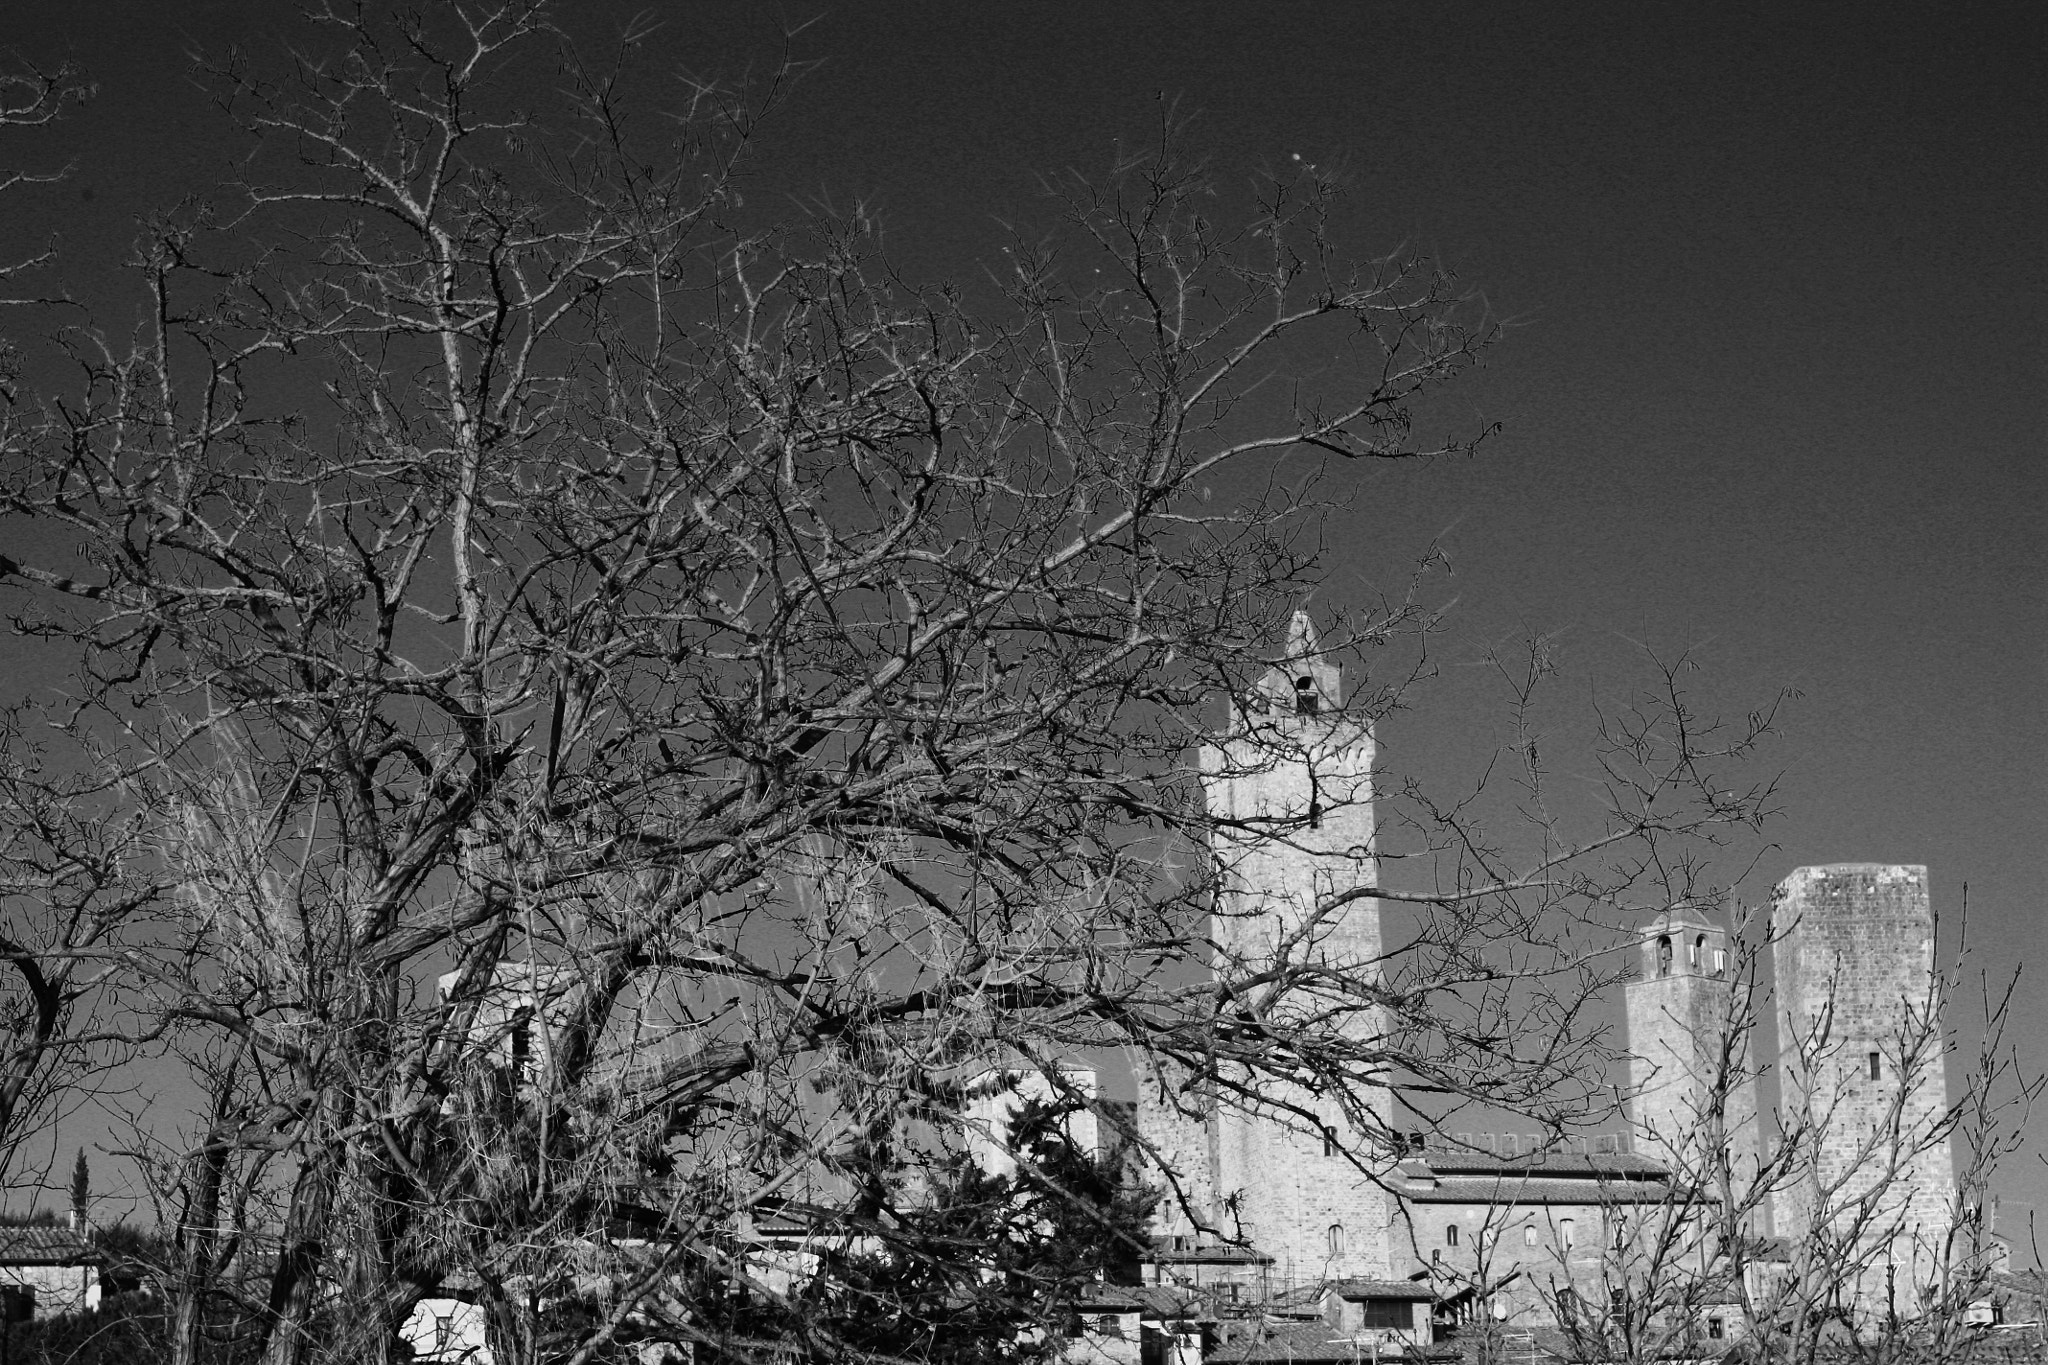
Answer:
(1691, 1086)
(1291, 789)
(1855, 987)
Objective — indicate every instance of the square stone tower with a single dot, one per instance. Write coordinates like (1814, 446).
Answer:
(1692, 1088)
(1289, 789)
(1862, 1071)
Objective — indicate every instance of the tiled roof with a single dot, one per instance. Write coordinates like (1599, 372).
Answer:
(1213, 1254)
(1153, 1300)
(44, 1246)
(1417, 1290)
(1505, 1189)
(1614, 1165)
(1541, 1345)
(1304, 1342)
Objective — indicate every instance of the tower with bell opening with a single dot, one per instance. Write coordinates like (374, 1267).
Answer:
(1691, 1083)
(1289, 794)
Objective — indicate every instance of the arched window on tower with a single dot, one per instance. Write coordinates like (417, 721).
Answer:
(1336, 1239)
(1306, 700)
(1692, 954)
(1720, 961)
(1664, 955)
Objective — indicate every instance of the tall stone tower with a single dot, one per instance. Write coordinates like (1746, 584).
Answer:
(1863, 1073)
(1692, 1089)
(1289, 789)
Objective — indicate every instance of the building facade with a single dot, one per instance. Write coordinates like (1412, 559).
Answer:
(1264, 1205)
(1692, 1082)
(1289, 792)
(48, 1272)
(1862, 1076)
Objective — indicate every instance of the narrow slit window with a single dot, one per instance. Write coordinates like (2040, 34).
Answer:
(1336, 1239)
(1451, 1235)
(1876, 1066)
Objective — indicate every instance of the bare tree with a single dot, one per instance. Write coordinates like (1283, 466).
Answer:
(631, 706)
(71, 879)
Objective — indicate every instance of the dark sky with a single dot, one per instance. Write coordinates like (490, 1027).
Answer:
(1774, 389)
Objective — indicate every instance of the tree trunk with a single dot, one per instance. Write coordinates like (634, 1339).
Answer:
(295, 1284)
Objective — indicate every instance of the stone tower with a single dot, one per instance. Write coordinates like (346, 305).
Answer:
(1289, 789)
(1862, 1072)
(1692, 1089)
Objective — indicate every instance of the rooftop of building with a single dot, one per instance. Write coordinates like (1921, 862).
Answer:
(1553, 1165)
(1848, 876)
(45, 1246)
(1416, 1290)
(1499, 1189)
(1307, 1342)
(1166, 1302)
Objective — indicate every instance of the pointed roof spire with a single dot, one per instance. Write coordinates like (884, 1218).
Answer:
(1302, 681)
(1301, 636)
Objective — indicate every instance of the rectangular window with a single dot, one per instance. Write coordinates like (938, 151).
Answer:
(1329, 1142)
(1716, 1328)
(1388, 1315)
(1566, 1233)
(1876, 1066)
(1529, 1235)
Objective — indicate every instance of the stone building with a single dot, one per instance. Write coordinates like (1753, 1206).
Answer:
(1289, 788)
(1861, 1070)
(1271, 1206)
(47, 1272)
(1691, 1077)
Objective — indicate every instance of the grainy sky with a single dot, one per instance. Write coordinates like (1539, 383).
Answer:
(1774, 388)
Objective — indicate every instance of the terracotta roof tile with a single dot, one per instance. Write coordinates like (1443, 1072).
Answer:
(1506, 1189)
(44, 1246)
